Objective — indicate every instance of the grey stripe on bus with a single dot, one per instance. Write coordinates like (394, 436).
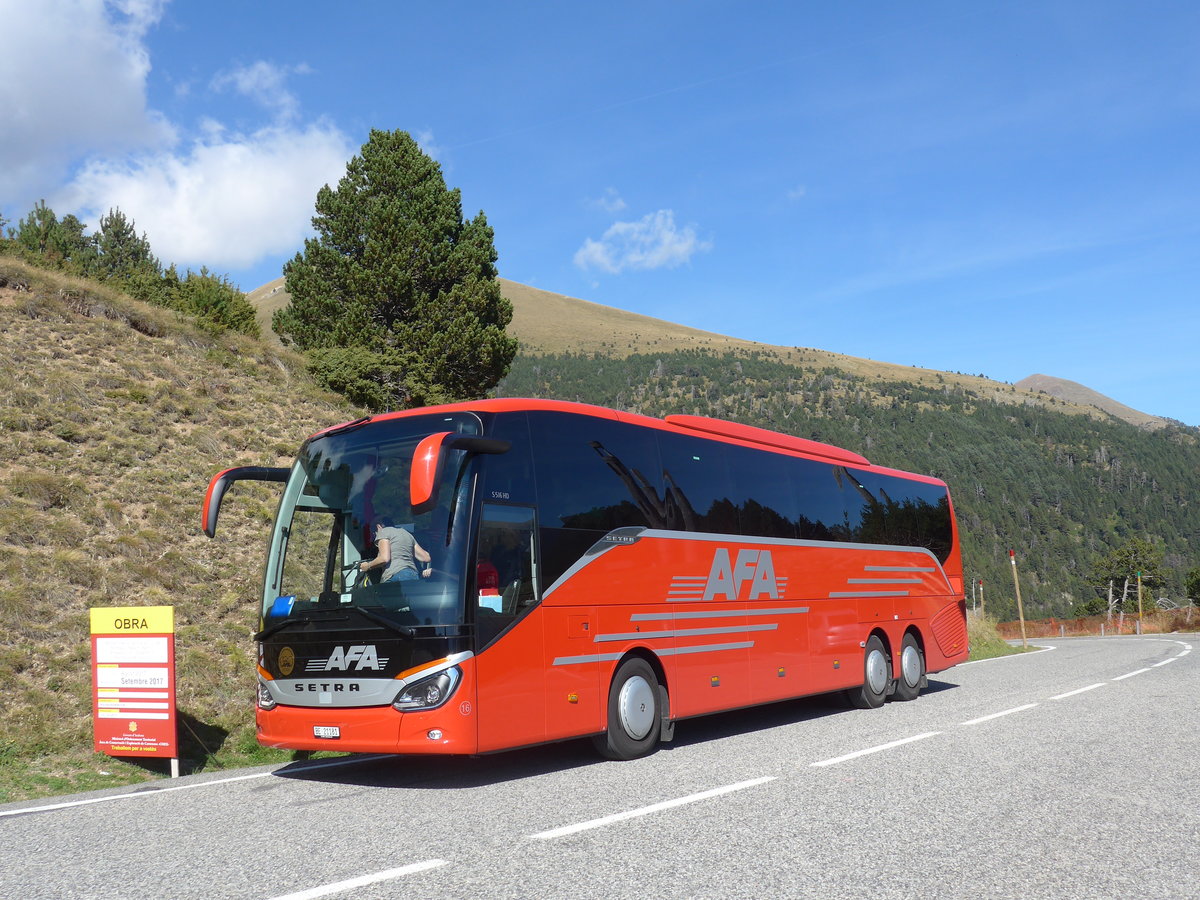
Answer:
(716, 614)
(665, 651)
(683, 632)
(842, 595)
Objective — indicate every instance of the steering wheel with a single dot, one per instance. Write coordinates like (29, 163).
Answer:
(352, 576)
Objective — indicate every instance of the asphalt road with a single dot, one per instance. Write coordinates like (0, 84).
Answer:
(1065, 773)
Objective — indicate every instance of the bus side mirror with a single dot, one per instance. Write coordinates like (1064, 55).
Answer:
(427, 463)
(221, 482)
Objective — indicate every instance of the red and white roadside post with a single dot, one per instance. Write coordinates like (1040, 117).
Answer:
(133, 682)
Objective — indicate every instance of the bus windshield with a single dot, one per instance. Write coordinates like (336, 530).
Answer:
(347, 495)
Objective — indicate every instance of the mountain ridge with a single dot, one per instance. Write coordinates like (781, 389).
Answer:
(1082, 395)
(548, 323)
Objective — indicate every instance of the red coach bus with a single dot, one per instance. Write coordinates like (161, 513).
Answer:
(580, 571)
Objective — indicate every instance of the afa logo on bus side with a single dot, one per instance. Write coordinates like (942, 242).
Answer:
(727, 576)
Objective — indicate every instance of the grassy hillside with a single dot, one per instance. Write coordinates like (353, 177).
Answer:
(113, 416)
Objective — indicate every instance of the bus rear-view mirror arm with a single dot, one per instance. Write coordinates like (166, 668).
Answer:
(221, 482)
(427, 463)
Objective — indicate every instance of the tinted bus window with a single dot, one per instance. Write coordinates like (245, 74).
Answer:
(594, 473)
(764, 492)
(821, 500)
(902, 512)
(699, 484)
(508, 477)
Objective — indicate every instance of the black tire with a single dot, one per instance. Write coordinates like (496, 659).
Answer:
(912, 669)
(877, 675)
(634, 717)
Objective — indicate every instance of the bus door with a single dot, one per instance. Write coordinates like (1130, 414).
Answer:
(509, 661)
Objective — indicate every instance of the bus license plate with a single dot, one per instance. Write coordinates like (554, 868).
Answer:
(327, 731)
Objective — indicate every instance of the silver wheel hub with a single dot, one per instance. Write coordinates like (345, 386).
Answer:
(635, 704)
(877, 673)
(910, 665)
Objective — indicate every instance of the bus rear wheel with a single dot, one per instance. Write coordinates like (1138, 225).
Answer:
(634, 718)
(912, 669)
(877, 675)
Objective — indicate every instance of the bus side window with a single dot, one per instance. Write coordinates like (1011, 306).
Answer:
(505, 569)
(508, 477)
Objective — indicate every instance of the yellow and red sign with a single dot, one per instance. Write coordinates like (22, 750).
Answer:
(133, 681)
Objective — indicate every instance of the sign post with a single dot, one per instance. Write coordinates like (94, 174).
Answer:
(1012, 555)
(133, 682)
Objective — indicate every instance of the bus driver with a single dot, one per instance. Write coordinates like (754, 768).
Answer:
(398, 554)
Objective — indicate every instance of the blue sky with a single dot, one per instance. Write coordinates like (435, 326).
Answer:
(996, 188)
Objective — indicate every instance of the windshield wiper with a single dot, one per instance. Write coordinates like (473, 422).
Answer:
(298, 620)
(405, 630)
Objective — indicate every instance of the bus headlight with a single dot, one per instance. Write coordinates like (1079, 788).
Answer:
(265, 700)
(429, 693)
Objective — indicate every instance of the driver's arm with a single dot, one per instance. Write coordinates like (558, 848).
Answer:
(421, 555)
(382, 559)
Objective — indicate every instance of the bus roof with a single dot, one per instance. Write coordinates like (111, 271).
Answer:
(715, 429)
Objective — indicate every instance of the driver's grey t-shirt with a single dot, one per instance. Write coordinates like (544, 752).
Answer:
(402, 551)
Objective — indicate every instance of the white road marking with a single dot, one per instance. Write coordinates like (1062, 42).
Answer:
(1165, 661)
(1037, 648)
(1130, 674)
(647, 810)
(363, 880)
(151, 789)
(880, 748)
(1090, 687)
(1007, 712)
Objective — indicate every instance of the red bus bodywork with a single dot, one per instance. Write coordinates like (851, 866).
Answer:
(725, 621)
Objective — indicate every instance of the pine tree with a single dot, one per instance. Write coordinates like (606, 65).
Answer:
(1192, 584)
(122, 254)
(78, 248)
(396, 298)
(38, 232)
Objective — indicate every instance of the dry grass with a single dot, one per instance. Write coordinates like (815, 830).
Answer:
(113, 417)
(985, 640)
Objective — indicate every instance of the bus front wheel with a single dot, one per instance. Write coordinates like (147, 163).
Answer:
(877, 674)
(634, 718)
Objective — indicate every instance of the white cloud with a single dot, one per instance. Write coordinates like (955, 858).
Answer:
(797, 193)
(72, 81)
(611, 202)
(653, 242)
(227, 202)
(73, 77)
(266, 84)
(426, 142)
